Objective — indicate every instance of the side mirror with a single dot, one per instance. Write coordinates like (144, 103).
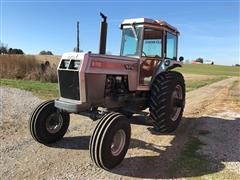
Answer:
(181, 58)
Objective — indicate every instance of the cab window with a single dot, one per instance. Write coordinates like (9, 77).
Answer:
(171, 46)
(131, 42)
(152, 43)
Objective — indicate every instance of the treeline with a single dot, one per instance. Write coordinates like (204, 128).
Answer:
(45, 53)
(5, 50)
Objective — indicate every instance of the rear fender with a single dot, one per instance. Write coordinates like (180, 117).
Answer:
(167, 65)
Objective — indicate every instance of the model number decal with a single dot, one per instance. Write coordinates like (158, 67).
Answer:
(112, 65)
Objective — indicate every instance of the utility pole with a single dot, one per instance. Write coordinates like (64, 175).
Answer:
(77, 37)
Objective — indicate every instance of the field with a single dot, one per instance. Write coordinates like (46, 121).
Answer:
(29, 67)
(205, 146)
(46, 90)
(205, 69)
(196, 75)
(43, 90)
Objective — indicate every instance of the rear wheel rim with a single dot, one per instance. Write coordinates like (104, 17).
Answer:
(118, 143)
(54, 123)
(176, 95)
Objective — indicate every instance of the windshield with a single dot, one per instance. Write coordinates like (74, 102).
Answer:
(131, 38)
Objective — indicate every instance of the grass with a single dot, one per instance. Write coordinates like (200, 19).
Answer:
(41, 89)
(26, 67)
(46, 90)
(205, 69)
(17, 66)
(193, 165)
(215, 73)
(49, 90)
(195, 84)
(190, 162)
(235, 91)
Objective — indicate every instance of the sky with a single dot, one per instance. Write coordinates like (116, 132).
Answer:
(208, 28)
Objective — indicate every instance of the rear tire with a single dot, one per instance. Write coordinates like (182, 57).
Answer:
(167, 101)
(110, 140)
(47, 124)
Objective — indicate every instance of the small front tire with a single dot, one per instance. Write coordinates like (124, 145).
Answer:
(110, 140)
(47, 124)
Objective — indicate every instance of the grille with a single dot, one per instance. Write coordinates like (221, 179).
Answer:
(69, 84)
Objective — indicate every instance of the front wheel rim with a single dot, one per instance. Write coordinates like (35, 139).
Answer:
(118, 143)
(54, 123)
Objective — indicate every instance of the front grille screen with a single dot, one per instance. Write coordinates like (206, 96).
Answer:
(69, 84)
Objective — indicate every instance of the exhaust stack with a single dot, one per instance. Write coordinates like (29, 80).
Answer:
(103, 34)
(78, 49)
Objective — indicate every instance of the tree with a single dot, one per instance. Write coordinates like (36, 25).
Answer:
(45, 53)
(200, 60)
(15, 51)
(3, 48)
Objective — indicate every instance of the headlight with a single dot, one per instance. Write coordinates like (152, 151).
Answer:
(64, 64)
(74, 64)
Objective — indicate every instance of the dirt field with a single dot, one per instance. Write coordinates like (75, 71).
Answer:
(212, 114)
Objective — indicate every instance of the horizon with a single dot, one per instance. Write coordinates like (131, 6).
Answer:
(208, 29)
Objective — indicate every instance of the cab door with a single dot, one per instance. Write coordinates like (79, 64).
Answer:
(151, 55)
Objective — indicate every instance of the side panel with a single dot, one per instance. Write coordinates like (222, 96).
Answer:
(95, 85)
(114, 65)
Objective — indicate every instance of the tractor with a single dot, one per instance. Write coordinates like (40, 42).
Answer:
(111, 89)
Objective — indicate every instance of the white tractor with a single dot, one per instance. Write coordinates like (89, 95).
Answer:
(112, 88)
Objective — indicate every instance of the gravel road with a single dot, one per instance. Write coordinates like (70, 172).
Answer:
(149, 156)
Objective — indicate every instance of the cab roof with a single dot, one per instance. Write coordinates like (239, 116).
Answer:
(147, 21)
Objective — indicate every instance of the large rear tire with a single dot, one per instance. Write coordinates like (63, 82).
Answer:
(47, 124)
(110, 140)
(167, 101)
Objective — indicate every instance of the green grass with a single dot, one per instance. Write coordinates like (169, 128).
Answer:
(234, 91)
(193, 165)
(50, 90)
(41, 89)
(190, 163)
(195, 84)
(215, 72)
(206, 69)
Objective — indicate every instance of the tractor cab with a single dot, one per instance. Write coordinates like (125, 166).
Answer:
(154, 42)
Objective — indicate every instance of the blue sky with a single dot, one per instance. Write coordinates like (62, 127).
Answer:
(209, 29)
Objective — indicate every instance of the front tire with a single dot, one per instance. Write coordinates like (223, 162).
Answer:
(47, 124)
(167, 101)
(110, 140)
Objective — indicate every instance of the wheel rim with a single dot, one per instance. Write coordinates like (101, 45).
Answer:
(54, 123)
(118, 143)
(176, 95)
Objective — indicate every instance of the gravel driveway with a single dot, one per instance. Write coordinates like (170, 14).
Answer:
(149, 156)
